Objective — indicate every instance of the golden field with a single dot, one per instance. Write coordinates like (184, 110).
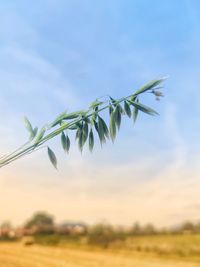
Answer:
(154, 251)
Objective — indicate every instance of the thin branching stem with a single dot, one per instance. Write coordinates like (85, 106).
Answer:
(33, 145)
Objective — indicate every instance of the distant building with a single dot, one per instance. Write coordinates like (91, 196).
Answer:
(22, 231)
(71, 228)
(7, 232)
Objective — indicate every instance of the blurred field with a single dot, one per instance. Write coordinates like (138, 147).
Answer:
(185, 246)
(18, 255)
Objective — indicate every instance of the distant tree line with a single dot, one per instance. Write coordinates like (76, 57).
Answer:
(43, 228)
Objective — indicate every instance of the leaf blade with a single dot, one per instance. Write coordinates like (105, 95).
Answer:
(64, 141)
(148, 86)
(91, 140)
(127, 109)
(112, 127)
(144, 108)
(40, 135)
(117, 116)
(52, 157)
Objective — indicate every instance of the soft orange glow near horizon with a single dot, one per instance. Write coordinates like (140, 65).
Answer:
(119, 194)
(93, 188)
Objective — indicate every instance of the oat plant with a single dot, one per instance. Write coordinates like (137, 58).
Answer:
(85, 123)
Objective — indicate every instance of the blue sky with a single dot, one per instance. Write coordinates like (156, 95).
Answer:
(58, 55)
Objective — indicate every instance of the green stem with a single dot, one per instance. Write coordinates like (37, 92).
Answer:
(14, 156)
(21, 151)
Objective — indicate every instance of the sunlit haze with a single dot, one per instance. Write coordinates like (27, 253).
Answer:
(61, 55)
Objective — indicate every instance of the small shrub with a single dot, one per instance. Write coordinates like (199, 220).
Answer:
(103, 235)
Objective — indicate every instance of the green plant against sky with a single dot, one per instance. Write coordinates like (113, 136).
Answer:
(85, 123)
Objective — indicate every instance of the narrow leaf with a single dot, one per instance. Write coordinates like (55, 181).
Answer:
(105, 128)
(143, 108)
(33, 133)
(135, 114)
(79, 130)
(80, 136)
(28, 125)
(85, 132)
(35, 130)
(112, 127)
(59, 119)
(81, 141)
(91, 140)
(77, 134)
(150, 85)
(68, 143)
(122, 111)
(110, 109)
(73, 115)
(64, 141)
(92, 120)
(40, 135)
(65, 116)
(30, 129)
(96, 126)
(117, 116)
(101, 131)
(52, 157)
(127, 109)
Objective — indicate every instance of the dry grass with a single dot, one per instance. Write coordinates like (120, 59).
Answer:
(18, 255)
(182, 246)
